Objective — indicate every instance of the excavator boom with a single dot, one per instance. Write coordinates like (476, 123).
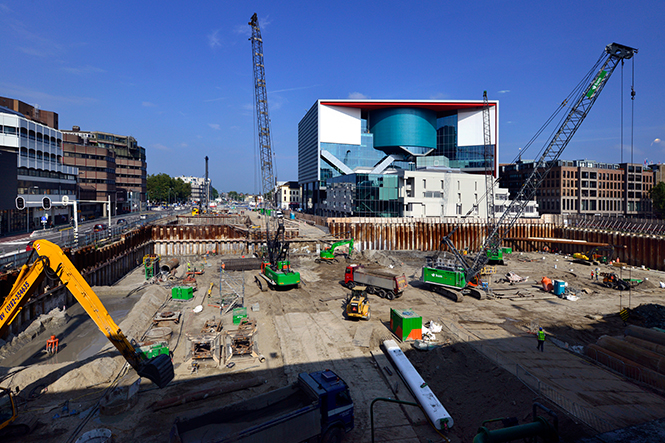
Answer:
(52, 260)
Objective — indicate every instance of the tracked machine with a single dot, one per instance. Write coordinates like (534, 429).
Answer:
(52, 260)
(460, 275)
(276, 271)
(328, 255)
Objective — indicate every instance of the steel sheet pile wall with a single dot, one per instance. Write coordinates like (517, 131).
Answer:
(211, 220)
(198, 240)
(107, 264)
(425, 235)
(99, 265)
(633, 249)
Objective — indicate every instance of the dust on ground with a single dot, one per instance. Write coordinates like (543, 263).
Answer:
(469, 385)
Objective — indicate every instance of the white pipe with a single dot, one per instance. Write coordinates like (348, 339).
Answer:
(424, 395)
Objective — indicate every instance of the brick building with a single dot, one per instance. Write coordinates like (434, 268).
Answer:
(111, 165)
(586, 187)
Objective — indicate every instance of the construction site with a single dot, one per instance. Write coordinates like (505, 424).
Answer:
(198, 296)
(258, 325)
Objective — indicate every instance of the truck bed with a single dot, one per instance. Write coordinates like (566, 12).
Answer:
(288, 412)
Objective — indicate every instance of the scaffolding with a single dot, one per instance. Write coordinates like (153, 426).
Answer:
(231, 290)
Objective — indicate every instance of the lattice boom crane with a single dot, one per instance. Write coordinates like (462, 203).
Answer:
(262, 116)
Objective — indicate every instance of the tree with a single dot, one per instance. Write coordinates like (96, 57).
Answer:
(657, 195)
(233, 195)
(164, 188)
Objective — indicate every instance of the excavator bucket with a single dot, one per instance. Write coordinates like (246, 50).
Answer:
(158, 370)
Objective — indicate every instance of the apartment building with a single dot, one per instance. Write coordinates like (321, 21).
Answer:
(287, 195)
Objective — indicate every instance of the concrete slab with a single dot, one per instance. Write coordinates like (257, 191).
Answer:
(596, 396)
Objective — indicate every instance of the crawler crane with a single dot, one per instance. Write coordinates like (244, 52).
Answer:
(454, 277)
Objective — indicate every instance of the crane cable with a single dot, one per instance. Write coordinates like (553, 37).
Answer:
(632, 108)
(621, 117)
(574, 93)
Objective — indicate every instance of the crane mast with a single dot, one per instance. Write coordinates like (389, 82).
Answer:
(262, 117)
(489, 164)
(594, 84)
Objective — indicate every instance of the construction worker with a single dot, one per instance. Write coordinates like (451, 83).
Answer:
(541, 339)
(189, 267)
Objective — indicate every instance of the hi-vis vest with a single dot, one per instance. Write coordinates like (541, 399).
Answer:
(541, 335)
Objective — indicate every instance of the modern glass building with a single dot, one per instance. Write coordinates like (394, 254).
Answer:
(360, 144)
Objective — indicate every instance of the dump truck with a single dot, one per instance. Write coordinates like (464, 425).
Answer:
(317, 407)
(383, 284)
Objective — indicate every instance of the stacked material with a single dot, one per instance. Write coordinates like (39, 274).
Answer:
(640, 354)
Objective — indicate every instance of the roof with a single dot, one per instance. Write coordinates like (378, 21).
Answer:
(434, 105)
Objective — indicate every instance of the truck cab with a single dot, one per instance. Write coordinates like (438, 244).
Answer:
(336, 403)
(348, 275)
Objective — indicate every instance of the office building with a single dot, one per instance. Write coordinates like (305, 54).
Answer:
(31, 165)
(372, 138)
(200, 192)
(587, 187)
(111, 166)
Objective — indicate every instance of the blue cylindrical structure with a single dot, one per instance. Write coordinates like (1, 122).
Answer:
(403, 127)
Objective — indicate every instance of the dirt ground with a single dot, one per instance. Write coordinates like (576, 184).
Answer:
(304, 329)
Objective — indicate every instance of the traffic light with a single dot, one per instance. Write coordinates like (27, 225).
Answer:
(46, 203)
(20, 203)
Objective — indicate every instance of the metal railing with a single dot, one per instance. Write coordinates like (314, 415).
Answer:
(67, 239)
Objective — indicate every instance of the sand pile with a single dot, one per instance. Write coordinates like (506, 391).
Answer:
(101, 368)
(54, 318)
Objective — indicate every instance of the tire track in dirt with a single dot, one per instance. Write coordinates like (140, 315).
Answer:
(315, 340)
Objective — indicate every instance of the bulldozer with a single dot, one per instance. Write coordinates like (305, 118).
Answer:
(357, 304)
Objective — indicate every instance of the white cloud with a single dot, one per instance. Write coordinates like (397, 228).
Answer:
(39, 96)
(148, 104)
(656, 141)
(503, 91)
(357, 96)
(82, 70)
(439, 96)
(214, 126)
(160, 147)
(213, 39)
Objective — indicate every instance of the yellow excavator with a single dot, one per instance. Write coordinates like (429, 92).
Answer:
(52, 261)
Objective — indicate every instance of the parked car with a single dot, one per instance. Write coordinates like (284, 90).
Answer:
(121, 221)
(99, 227)
(143, 216)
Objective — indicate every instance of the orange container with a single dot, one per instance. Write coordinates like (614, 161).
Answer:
(547, 284)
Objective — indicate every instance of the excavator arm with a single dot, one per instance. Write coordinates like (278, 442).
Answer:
(52, 260)
(329, 254)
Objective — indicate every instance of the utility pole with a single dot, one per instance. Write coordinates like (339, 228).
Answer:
(207, 187)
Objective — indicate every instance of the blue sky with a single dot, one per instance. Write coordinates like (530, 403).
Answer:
(178, 75)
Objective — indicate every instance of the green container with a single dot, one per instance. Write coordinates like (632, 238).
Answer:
(507, 250)
(152, 351)
(238, 315)
(406, 325)
(182, 292)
